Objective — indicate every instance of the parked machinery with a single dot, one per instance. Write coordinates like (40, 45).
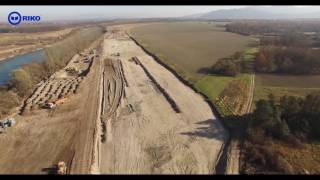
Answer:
(62, 168)
(7, 123)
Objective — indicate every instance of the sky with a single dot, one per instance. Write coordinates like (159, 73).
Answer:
(49, 13)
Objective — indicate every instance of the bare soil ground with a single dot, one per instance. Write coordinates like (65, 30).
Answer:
(42, 138)
(143, 132)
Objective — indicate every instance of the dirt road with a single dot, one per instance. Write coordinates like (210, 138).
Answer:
(144, 133)
(233, 161)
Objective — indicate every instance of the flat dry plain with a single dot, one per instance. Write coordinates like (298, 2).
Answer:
(12, 44)
(190, 45)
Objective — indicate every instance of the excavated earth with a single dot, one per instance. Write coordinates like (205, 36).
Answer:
(126, 115)
(152, 122)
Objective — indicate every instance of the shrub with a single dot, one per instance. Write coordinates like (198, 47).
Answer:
(8, 100)
(21, 82)
(226, 67)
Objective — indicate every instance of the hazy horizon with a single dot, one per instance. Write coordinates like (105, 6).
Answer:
(54, 13)
(60, 13)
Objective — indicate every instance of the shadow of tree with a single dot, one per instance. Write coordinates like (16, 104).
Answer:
(208, 129)
(208, 71)
(204, 70)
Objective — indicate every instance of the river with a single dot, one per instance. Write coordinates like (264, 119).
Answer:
(10, 64)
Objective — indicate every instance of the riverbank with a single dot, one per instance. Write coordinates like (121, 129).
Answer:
(7, 66)
(19, 54)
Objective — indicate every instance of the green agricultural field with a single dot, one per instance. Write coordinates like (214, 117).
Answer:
(280, 85)
(290, 81)
(190, 45)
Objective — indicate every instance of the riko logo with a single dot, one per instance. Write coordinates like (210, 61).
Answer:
(15, 18)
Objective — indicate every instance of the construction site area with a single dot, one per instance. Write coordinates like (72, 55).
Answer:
(153, 122)
(113, 110)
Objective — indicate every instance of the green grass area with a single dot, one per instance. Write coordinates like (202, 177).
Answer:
(212, 85)
(190, 45)
(249, 54)
(248, 60)
(262, 92)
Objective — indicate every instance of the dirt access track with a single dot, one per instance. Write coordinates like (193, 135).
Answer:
(152, 122)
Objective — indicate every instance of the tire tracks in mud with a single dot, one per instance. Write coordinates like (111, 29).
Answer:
(114, 91)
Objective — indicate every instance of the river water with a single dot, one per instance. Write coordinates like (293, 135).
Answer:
(10, 64)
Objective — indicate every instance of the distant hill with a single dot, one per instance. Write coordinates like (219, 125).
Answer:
(260, 12)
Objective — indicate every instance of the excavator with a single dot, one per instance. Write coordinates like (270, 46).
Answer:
(53, 104)
(62, 168)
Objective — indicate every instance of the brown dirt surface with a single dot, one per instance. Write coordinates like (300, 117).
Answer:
(144, 134)
(131, 105)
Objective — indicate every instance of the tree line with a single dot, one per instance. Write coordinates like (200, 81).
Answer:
(289, 60)
(288, 50)
(255, 27)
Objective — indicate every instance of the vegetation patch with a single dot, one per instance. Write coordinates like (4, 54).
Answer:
(275, 134)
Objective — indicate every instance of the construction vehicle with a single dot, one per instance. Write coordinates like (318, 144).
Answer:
(62, 168)
(7, 123)
(115, 54)
(49, 105)
(71, 70)
(53, 104)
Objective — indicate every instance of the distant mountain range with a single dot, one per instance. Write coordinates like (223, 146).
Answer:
(261, 12)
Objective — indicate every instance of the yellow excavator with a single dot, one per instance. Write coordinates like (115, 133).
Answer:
(62, 168)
